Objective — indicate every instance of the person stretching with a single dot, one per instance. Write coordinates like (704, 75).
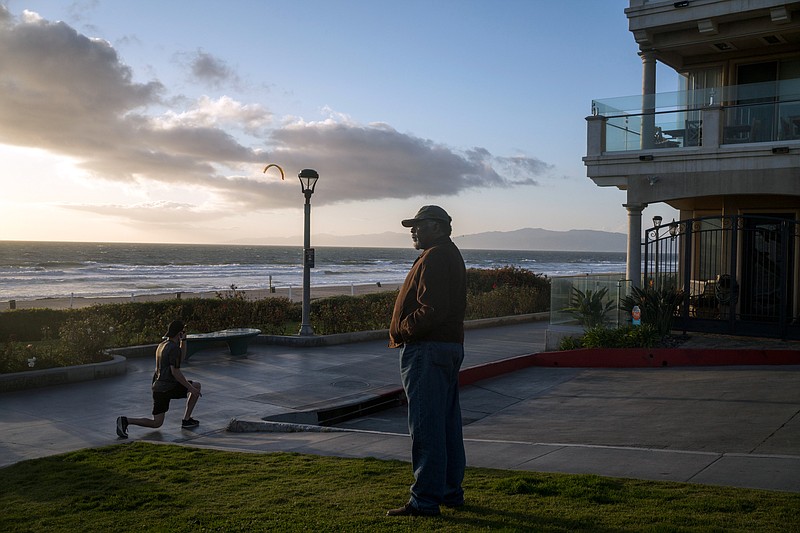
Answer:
(169, 383)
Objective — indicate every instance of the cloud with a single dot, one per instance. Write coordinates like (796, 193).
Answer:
(164, 212)
(222, 112)
(524, 168)
(70, 94)
(211, 70)
(369, 162)
(50, 69)
(67, 93)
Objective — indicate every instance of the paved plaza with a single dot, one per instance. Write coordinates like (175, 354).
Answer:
(736, 426)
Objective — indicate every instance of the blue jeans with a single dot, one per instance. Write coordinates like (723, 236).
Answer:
(429, 371)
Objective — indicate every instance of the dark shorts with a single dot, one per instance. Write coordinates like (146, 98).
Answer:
(161, 399)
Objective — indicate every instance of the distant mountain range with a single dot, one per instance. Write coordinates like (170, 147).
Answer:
(522, 239)
(578, 240)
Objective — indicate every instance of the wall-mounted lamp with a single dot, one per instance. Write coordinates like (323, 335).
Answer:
(707, 27)
(652, 180)
(780, 15)
(657, 221)
(648, 157)
(780, 150)
(683, 3)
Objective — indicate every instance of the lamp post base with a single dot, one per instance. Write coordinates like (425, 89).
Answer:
(306, 330)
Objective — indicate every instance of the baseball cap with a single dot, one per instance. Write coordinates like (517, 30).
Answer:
(175, 327)
(428, 212)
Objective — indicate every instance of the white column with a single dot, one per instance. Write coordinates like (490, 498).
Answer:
(648, 98)
(633, 270)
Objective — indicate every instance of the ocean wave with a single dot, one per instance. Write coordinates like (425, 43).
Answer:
(121, 270)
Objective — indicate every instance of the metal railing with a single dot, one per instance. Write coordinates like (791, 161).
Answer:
(738, 273)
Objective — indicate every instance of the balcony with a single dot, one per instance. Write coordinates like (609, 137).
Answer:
(738, 114)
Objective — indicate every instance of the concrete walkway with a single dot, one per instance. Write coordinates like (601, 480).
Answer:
(735, 426)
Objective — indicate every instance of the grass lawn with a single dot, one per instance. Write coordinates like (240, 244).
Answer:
(152, 487)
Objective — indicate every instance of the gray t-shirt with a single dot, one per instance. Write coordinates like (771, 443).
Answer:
(167, 354)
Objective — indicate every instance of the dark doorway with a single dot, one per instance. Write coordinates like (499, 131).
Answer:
(767, 266)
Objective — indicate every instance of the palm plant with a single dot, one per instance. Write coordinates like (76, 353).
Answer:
(589, 307)
(657, 306)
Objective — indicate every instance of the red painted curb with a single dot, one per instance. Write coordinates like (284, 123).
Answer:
(664, 357)
(470, 375)
(629, 358)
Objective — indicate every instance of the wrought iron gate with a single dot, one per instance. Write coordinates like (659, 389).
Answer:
(738, 273)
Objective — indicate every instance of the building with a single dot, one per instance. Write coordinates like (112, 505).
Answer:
(723, 149)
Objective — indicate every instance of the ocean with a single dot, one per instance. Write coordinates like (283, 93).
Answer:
(34, 270)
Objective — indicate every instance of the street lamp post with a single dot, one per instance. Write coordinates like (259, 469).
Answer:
(657, 224)
(308, 180)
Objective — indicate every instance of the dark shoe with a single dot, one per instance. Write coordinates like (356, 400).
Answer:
(189, 423)
(410, 510)
(122, 427)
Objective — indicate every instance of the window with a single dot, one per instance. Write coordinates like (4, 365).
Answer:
(768, 100)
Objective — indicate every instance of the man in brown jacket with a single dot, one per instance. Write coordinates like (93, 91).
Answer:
(428, 327)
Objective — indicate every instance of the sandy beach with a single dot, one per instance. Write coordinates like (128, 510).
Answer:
(293, 293)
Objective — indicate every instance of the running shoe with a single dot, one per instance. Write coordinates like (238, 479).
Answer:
(122, 427)
(189, 423)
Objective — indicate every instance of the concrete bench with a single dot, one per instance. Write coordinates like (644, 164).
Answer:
(237, 339)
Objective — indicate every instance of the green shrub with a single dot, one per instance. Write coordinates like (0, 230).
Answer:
(570, 343)
(86, 336)
(233, 294)
(498, 297)
(505, 291)
(600, 337)
(658, 306)
(483, 280)
(588, 307)
(341, 314)
(11, 358)
(35, 355)
(506, 301)
(28, 324)
(54, 336)
(273, 314)
(134, 323)
(644, 336)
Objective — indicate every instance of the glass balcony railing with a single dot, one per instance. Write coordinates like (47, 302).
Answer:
(759, 112)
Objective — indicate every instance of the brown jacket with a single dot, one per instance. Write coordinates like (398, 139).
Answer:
(433, 298)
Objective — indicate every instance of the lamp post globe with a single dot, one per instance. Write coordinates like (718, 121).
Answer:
(308, 181)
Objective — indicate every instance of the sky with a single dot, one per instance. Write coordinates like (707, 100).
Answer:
(153, 121)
